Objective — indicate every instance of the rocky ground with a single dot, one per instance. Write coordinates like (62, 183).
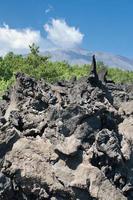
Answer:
(66, 141)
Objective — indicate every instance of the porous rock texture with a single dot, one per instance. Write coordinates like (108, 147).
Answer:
(66, 141)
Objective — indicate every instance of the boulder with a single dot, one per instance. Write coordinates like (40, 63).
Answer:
(126, 108)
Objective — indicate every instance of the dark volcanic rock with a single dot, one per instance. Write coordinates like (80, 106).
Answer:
(71, 140)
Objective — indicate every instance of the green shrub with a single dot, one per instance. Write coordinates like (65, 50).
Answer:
(4, 84)
(40, 66)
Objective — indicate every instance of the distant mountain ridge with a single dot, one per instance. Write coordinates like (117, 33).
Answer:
(81, 56)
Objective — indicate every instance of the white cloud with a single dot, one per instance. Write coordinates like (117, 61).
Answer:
(49, 9)
(17, 40)
(61, 34)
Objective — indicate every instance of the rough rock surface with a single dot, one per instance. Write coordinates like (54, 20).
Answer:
(68, 141)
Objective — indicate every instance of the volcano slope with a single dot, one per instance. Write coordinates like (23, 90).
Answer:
(66, 141)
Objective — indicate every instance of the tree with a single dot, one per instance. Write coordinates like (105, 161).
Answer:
(34, 59)
(34, 49)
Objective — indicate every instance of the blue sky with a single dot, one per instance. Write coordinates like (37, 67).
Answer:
(95, 25)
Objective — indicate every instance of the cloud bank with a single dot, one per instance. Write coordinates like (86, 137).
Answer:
(17, 40)
(59, 35)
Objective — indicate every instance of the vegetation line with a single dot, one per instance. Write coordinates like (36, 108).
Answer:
(39, 66)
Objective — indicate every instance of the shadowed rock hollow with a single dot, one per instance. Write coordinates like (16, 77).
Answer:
(66, 141)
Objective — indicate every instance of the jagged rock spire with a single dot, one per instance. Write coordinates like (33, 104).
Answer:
(93, 73)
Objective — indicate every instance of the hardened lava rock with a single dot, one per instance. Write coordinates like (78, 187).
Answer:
(66, 141)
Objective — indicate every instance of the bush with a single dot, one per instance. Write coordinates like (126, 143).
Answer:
(40, 67)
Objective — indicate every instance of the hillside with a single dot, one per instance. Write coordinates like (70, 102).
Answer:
(40, 66)
(80, 57)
